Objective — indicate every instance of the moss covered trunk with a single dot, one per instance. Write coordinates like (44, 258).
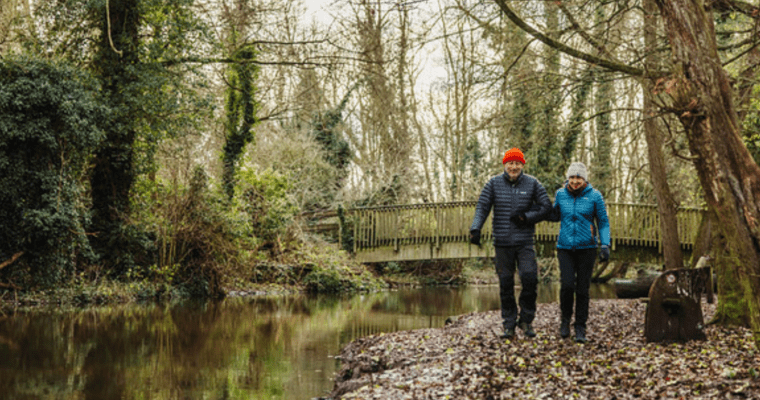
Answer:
(113, 172)
(700, 95)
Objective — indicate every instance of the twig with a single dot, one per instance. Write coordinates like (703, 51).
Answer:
(9, 262)
(9, 285)
(108, 21)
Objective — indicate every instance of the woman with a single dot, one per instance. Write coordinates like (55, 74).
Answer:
(577, 205)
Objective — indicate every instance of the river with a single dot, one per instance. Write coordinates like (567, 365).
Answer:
(279, 347)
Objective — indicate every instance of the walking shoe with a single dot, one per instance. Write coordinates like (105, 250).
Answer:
(564, 329)
(509, 333)
(580, 334)
(527, 329)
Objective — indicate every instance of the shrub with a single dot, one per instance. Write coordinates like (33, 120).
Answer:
(197, 238)
(332, 270)
(48, 130)
(265, 198)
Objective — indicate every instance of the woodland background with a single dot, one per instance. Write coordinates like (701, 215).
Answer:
(182, 145)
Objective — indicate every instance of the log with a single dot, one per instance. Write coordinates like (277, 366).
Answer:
(634, 288)
(620, 269)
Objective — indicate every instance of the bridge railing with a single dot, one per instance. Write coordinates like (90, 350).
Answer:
(439, 223)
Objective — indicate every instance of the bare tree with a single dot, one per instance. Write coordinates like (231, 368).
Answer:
(666, 204)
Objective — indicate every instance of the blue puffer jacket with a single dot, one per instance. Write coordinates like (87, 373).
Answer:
(525, 194)
(576, 215)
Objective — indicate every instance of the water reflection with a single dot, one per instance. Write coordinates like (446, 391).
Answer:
(244, 348)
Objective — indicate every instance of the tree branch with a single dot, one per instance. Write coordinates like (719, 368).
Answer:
(745, 8)
(582, 32)
(611, 65)
(227, 60)
(11, 260)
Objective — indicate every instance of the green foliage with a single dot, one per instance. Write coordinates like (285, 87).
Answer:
(241, 115)
(265, 199)
(198, 241)
(331, 270)
(524, 123)
(48, 129)
(323, 280)
(325, 130)
(535, 132)
(138, 55)
(294, 153)
(475, 159)
(391, 268)
(578, 111)
(347, 230)
(602, 167)
(336, 279)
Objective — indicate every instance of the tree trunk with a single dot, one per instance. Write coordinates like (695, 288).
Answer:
(113, 172)
(703, 241)
(605, 91)
(381, 113)
(702, 99)
(666, 205)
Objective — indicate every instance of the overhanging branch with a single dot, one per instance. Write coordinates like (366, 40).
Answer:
(611, 65)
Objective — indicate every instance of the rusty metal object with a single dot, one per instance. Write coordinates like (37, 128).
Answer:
(674, 312)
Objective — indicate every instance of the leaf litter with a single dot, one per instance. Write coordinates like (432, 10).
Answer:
(468, 360)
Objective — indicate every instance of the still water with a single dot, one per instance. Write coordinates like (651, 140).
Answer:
(240, 348)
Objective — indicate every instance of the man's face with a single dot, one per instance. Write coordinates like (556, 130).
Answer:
(513, 169)
(575, 182)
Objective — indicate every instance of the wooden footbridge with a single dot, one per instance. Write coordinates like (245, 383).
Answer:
(441, 230)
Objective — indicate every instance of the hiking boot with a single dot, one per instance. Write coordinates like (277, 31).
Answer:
(564, 329)
(527, 329)
(509, 333)
(580, 334)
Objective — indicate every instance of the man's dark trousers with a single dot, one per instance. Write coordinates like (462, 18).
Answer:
(524, 257)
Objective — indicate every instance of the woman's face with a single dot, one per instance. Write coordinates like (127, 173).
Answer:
(575, 182)
(513, 169)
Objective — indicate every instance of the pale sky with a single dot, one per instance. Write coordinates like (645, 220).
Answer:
(315, 8)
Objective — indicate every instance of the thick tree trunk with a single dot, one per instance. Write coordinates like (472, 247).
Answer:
(113, 172)
(702, 100)
(666, 205)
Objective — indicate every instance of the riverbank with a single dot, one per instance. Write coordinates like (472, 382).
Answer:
(467, 360)
(342, 275)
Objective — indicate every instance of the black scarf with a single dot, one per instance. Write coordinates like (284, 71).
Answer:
(576, 192)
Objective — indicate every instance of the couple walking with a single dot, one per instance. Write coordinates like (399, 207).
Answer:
(518, 202)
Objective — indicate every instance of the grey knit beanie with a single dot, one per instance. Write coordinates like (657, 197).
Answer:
(577, 169)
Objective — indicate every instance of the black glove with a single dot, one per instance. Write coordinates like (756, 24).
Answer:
(604, 253)
(519, 219)
(475, 237)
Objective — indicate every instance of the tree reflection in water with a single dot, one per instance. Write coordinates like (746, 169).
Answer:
(240, 348)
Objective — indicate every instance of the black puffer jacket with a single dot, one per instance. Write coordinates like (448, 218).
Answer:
(507, 198)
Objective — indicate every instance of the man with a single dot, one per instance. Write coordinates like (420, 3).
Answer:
(518, 201)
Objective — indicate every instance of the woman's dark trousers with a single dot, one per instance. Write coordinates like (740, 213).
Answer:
(525, 258)
(575, 268)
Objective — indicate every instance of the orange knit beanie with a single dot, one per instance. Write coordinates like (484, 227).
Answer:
(513, 154)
